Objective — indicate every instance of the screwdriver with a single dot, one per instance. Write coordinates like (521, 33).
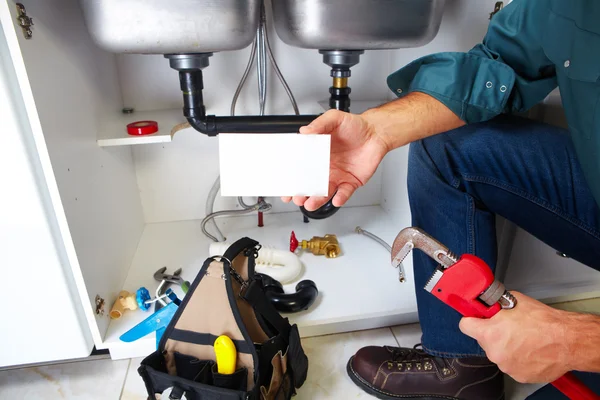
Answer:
(226, 355)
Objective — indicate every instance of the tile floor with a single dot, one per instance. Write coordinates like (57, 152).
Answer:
(327, 379)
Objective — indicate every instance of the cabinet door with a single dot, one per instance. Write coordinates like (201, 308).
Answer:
(68, 87)
(41, 316)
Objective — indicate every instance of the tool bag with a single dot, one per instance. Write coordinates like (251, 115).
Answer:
(227, 298)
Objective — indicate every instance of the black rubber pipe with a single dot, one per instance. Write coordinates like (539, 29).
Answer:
(212, 125)
(195, 112)
(339, 100)
(305, 295)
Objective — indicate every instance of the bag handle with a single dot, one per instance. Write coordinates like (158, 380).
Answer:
(244, 244)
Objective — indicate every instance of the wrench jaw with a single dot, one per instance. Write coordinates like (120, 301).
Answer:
(507, 301)
(404, 251)
(411, 238)
(433, 281)
(158, 275)
(483, 302)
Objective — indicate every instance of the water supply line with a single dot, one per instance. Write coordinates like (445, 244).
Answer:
(262, 76)
(209, 208)
(280, 76)
(401, 271)
(245, 76)
(376, 238)
(231, 213)
(261, 60)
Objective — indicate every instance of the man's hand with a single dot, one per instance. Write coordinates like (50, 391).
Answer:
(528, 343)
(359, 142)
(356, 151)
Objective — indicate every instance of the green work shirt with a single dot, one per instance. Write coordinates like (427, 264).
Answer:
(531, 47)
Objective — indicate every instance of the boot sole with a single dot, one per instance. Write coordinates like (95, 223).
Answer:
(373, 391)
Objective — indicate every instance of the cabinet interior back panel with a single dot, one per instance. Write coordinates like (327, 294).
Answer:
(75, 87)
(175, 178)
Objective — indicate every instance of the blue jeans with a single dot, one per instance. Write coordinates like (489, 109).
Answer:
(525, 171)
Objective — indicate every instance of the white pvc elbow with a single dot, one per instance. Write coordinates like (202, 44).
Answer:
(282, 265)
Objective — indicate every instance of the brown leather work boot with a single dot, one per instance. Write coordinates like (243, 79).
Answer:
(403, 373)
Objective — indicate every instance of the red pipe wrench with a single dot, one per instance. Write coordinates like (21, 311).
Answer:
(467, 284)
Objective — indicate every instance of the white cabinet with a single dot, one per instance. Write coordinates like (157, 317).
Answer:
(87, 211)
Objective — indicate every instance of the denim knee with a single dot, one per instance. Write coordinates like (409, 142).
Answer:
(428, 165)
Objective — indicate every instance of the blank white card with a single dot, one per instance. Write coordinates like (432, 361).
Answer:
(274, 164)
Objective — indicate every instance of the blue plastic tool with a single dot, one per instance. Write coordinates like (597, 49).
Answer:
(156, 322)
(141, 296)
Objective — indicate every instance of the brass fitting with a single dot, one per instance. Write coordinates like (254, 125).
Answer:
(126, 301)
(340, 83)
(327, 246)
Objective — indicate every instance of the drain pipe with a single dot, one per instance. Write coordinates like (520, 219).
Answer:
(340, 62)
(190, 68)
(190, 77)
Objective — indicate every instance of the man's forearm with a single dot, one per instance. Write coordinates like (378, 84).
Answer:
(411, 118)
(582, 333)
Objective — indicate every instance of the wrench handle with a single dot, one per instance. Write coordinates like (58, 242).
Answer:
(460, 287)
(573, 388)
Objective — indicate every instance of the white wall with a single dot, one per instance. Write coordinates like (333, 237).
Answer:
(464, 25)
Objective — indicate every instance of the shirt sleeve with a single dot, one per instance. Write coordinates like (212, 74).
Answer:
(507, 72)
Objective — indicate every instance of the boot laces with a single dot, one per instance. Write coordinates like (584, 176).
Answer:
(406, 354)
(417, 354)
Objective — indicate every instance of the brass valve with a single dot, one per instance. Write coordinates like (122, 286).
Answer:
(327, 246)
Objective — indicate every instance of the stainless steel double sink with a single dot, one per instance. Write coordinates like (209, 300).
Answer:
(357, 24)
(194, 26)
(171, 26)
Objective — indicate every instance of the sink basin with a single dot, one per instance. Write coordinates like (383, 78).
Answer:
(171, 26)
(357, 24)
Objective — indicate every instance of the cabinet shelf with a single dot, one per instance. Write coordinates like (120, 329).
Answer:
(114, 131)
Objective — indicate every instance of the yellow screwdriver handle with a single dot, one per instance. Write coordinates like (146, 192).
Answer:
(226, 355)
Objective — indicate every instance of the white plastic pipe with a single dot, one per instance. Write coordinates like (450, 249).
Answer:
(282, 265)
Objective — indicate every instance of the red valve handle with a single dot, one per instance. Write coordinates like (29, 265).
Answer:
(293, 242)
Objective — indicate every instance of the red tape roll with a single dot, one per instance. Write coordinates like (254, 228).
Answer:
(142, 128)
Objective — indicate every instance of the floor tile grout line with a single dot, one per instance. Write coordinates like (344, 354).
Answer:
(125, 380)
(394, 335)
